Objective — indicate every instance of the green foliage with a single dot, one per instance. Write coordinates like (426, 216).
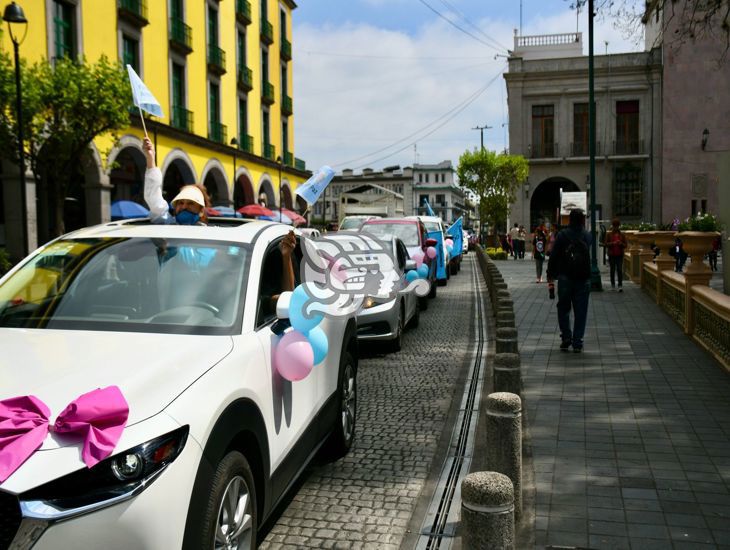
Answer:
(646, 226)
(700, 222)
(66, 105)
(5, 263)
(495, 179)
(496, 253)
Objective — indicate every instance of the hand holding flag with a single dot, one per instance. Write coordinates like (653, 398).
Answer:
(142, 97)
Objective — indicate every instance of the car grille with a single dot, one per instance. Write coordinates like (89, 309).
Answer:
(9, 519)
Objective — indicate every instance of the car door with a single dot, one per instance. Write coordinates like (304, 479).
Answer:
(291, 406)
(411, 302)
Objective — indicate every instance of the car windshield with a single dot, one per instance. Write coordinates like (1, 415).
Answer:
(406, 232)
(130, 285)
(432, 226)
(351, 223)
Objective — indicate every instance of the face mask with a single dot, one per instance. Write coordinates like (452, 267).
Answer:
(186, 217)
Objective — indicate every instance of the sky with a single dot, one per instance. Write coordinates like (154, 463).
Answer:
(379, 83)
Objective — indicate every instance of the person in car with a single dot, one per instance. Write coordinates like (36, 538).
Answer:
(189, 204)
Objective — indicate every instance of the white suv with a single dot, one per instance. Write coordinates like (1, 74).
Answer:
(180, 318)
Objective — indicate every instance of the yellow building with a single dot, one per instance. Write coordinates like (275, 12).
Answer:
(222, 71)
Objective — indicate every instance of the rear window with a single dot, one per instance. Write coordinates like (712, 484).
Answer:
(406, 232)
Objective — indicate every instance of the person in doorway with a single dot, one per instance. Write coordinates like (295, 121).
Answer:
(570, 264)
(188, 205)
(539, 245)
(615, 244)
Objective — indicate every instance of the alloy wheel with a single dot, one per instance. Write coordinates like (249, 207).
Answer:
(349, 403)
(234, 526)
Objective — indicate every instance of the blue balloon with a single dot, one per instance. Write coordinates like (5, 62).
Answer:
(411, 275)
(423, 271)
(318, 339)
(296, 312)
(449, 249)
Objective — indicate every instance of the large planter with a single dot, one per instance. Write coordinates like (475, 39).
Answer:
(644, 239)
(697, 244)
(665, 241)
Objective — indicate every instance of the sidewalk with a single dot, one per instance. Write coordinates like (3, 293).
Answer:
(630, 440)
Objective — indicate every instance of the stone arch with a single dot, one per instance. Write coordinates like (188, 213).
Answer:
(177, 171)
(266, 189)
(126, 168)
(215, 181)
(545, 200)
(243, 193)
(301, 205)
(286, 197)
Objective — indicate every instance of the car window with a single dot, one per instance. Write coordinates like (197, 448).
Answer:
(270, 282)
(407, 232)
(129, 285)
(402, 255)
(351, 223)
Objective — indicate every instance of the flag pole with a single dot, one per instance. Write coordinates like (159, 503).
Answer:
(143, 126)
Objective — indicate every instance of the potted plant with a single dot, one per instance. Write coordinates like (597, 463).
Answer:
(645, 235)
(697, 234)
(664, 238)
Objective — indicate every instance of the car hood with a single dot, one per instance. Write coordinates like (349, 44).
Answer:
(150, 369)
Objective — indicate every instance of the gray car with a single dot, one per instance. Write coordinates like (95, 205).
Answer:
(386, 320)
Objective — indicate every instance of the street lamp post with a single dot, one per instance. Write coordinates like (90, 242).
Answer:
(595, 273)
(14, 14)
(279, 161)
(234, 144)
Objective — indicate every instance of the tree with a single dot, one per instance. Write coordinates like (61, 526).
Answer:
(495, 178)
(66, 105)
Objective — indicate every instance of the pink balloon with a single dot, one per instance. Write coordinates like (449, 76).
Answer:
(449, 242)
(293, 356)
(431, 252)
(418, 258)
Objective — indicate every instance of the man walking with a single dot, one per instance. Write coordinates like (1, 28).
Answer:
(615, 244)
(570, 264)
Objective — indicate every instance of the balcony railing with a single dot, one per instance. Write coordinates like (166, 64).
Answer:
(285, 48)
(267, 32)
(134, 11)
(243, 11)
(632, 147)
(269, 151)
(580, 149)
(218, 132)
(181, 119)
(288, 158)
(245, 78)
(299, 164)
(216, 60)
(246, 143)
(287, 106)
(543, 150)
(267, 92)
(181, 36)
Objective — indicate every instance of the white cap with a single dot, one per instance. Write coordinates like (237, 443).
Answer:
(191, 193)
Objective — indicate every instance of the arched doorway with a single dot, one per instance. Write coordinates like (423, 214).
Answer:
(215, 184)
(545, 200)
(127, 179)
(301, 205)
(286, 197)
(243, 192)
(178, 174)
(266, 189)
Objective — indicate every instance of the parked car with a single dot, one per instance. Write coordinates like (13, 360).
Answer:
(413, 234)
(386, 320)
(353, 223)
(464, 241)
(310, 232)
(435, 224)
(180, 318)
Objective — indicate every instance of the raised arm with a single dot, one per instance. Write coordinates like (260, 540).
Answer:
(153, 186)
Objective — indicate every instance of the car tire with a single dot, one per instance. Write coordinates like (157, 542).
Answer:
(343, 431)
(416, 319)
(397, 343)
(232, 484)
(423, 303)
(432, 292)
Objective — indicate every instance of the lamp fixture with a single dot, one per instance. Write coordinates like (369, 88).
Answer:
(705, 136)
(14, 14)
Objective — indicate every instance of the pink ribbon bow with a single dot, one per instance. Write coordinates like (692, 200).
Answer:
(99, 416)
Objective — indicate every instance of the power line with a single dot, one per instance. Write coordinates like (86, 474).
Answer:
(450, 22)
(404, 57)
(446, 114)
(468, 22)
(481, 133)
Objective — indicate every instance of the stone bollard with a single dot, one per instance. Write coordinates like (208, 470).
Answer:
(504, 440)
(507, 377)
(494, 288)
(505, 303)
(506, 340)
(487, 512)
(505, 319)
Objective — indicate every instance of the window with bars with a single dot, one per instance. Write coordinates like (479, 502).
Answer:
(580, 129)
(64, 28)
(627, 127)
(628, 191)
(543, 131)
(242, 120)
(130, 52)
(241, 47)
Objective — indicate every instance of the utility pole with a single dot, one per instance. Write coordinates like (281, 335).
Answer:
(595, 273)
(481, 132)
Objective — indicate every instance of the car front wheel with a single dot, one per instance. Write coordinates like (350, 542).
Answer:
(343, 431)
(231, 519)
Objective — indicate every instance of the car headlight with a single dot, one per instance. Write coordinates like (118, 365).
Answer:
(372, 302)
(109, 482)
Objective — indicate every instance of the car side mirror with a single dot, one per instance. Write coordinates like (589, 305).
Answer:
(431, 242)
(282, 305)
(410, 264)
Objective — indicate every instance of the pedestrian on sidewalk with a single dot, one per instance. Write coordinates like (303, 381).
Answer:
(615, 244)
(521, 239)
(514, 235)
(570, 264)
(539, 244)
(712, 256)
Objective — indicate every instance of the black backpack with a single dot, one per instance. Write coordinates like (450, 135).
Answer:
(577, 260)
